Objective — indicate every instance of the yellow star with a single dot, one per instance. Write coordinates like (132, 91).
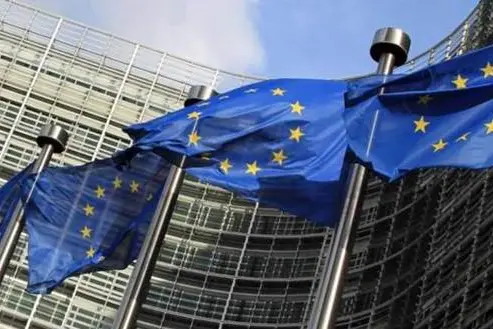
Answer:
(489, 127)
(296, 134)
(193, 138)
(252, 168)
(117, 183)
(278, 92)
(460, 82)
(205, 156)
(90, 253)
(86, 232)
(487, 70)
(225, 166)
(297, 108)
(99, 192)
(194, 115)
(134, 187)
(463, 137)
(89, 210)
(421, 125)
(439, 146)
(424, 99)
(279, 157)
(149, 197)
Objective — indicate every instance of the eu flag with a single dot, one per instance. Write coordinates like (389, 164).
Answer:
(439, 116)
(281, 142)
(90, 217)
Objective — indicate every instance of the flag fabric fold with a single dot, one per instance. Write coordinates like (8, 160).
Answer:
(440, 116)
(91, 217)
(281, 142)
(10, 195)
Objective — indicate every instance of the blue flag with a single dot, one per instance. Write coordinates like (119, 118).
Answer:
(10, 195)
(91, 217)
(280, 142)
(439, 116)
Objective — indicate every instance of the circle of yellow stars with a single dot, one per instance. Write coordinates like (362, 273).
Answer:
(89, 210)
(279, 157)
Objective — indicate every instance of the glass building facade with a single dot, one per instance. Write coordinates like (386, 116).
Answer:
(423, 251)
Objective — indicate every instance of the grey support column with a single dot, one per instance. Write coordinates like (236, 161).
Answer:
(51, 139)
(390, 48)
(139, 281)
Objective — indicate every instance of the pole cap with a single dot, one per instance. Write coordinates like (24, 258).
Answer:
(54, 135)
(391, 40)
(199, 93)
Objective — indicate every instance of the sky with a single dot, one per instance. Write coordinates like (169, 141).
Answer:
(269, 38)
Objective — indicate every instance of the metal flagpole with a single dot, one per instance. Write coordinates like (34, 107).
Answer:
(51, 139)
(141, 275)
(390, 48)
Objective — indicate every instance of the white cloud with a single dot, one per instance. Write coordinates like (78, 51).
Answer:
(218, 33)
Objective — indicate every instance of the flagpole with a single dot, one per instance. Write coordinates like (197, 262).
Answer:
(389, 48)
(51, 139)
(141, 275)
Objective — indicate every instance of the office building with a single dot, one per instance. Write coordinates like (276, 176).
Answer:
(423, 250)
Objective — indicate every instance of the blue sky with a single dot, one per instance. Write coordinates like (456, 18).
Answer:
(331, 38)
(269, 38)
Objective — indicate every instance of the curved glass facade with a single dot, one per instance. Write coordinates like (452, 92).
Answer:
(228, 263)
(423, 247)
